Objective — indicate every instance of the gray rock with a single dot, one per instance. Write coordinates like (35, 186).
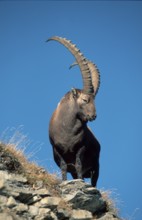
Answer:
(13, 177)
(109, 216)
(2, 182)
(33, 210)
(42, 192)
(27, 196)
(53, 216)
(72, 186)
(82, 196)
(91, 203)
(6, 216)
(33, 199)
(81, 215)
(11, 202)
(46, 214)
(50, 202)
(44, 211)
(20, 208)
(63, 214)
(3, 199)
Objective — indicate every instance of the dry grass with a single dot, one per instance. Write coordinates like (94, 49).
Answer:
(18, 163)
(12, 150)
(112, 201)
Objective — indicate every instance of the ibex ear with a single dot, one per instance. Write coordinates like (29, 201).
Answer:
(74, 92)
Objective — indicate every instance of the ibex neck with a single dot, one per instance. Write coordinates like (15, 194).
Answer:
(65, 119)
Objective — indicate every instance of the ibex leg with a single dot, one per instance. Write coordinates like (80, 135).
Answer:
(95, 175)
(78, 164)
(63, 165)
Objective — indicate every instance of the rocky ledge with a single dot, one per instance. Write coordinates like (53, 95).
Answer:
(72, 200)
(77, 201)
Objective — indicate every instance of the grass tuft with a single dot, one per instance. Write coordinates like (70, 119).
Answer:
(12, 152)
(111, 198)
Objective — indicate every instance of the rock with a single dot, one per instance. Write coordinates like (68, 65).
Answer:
(63, 214)
(11, 202)
(42, 192)
(20, 208)
(78, 201)
(83, 196)
(14, 178)
(81, 215)
(53, 216)
(27, 196)
(6, 216)
(3, 199)
(109, 216)
(33, 210)
(50, 202)
(2, 183)
(33, 199)
(46, 213)
(43, 213)
(64, 210)
(71, 186)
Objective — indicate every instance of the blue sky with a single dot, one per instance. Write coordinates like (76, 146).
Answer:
(35, 75)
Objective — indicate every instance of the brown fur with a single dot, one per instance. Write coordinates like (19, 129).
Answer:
(75, 148)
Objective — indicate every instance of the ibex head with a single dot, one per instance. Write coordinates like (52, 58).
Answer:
(91, 81)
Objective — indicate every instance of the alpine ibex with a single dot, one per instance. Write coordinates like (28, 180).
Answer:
(75, 148)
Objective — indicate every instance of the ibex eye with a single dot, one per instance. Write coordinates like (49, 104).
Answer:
(85, 100)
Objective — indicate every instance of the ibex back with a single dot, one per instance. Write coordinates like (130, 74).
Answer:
(75, 148)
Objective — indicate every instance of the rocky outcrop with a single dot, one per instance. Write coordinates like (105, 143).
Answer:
(72, 200)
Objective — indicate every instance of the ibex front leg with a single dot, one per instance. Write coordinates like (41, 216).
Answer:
(63, 169)
(78, 164)
(63, 165)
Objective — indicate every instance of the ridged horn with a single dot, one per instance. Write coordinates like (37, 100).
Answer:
(81, 60)
(95, 74)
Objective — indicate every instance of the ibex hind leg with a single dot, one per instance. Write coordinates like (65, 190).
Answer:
(63, 165)
(78, 164)
(94, 177)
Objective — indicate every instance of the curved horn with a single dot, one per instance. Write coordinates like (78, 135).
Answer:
(81, 60)
(95, 74)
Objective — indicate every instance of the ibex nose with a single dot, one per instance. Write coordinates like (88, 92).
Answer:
(91, 118)
(94, 117)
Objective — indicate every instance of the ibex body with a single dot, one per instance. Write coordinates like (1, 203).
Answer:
(75, 148)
